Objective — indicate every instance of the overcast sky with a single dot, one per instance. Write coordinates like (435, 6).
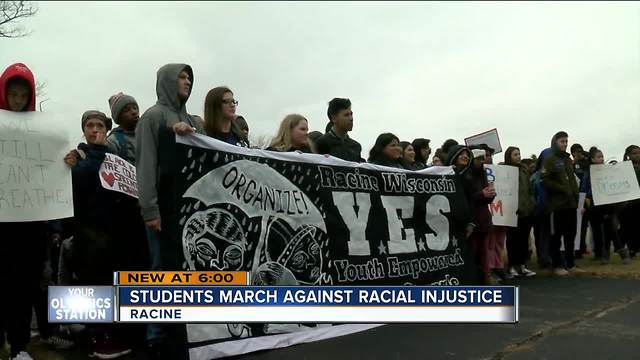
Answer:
(434, 70)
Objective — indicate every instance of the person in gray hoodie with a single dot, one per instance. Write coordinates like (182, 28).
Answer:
(155, 161)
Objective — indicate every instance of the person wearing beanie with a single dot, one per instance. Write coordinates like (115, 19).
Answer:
(125, 113)
(97, 244)
(561, 186)
(518, 237)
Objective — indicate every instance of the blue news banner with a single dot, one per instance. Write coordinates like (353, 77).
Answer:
(284, 304)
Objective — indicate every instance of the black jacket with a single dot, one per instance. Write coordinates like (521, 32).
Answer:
(345, 149)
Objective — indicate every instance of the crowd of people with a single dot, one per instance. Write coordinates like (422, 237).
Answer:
(84, 249)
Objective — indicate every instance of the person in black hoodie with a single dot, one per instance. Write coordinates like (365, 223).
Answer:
(478, 195)
(386, 151)
(336, 142)
(518, 237)
(292, 135)
(561, 186)
(94, 226)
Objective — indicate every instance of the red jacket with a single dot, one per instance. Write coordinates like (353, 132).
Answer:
(17, 70)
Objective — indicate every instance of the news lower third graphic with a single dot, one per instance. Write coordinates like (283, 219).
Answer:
(81, 304)
(207, 297)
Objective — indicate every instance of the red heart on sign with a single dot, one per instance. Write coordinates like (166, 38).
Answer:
(109, 178)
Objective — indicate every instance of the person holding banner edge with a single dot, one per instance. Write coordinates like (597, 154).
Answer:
(155, 162)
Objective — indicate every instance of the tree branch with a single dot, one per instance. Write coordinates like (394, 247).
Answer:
(12, 12)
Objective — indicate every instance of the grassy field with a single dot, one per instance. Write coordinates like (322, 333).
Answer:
(615, 268)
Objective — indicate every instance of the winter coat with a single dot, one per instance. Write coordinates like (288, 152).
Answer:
(559, 180)
(343, 148)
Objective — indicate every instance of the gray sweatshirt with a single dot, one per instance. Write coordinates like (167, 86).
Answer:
(155, 144)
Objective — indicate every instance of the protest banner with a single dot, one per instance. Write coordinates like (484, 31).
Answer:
(35, 183)
(117, 174)
(308, 219)
(490, 138)
(614, 183)
(505, 205)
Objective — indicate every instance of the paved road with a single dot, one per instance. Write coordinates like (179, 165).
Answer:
(569, 318)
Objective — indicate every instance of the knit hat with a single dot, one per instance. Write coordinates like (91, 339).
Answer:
(118, 102)
(95, 114)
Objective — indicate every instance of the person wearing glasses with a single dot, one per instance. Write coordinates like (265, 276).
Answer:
(220, 116)
(336, 142)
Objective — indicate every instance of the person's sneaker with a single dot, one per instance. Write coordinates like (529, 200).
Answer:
(511, 273)
(109, 348)
(526, 272)
(490, 279)
(23, 355)
(560, 272)
(576, 270)
(58, 343)
(624, 254)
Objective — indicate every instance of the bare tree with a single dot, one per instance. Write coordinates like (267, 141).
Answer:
(40, 86)
(41, 95)
(260, 141)
(10, 13)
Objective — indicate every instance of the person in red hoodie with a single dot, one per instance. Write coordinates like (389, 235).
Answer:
(22, 274)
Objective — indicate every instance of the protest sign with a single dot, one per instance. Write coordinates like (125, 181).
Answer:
(505, 205)
(117, 174)
(490, 138)
(35, 183)
(614, 183)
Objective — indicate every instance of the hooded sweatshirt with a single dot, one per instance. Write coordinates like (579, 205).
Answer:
(20, 71)
(467, 215)
(155, 144)
(33, 234)
(559, 179)
(526, 201)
